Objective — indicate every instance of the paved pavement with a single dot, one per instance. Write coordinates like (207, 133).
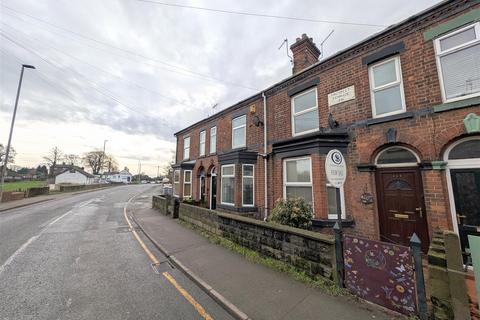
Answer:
(76, 258)
(260, 292)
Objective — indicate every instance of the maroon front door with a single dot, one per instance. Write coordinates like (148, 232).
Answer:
(401, 206)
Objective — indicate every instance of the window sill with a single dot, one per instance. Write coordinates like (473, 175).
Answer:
(394, 117)
(329, 223)
(457, 104)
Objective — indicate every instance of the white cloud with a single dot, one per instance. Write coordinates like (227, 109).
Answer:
(69, 112)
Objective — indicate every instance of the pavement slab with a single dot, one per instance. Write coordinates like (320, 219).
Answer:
(258, 291)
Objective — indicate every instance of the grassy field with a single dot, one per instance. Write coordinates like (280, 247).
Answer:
(23, 185)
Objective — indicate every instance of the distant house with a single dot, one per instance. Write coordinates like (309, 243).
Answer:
(73, 175)
(123, 176)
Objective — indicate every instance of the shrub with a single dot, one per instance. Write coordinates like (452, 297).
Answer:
(294, 212)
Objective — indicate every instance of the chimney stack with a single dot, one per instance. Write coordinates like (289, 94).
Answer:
(305, 53)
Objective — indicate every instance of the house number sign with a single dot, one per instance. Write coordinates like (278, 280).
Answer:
(335, 168)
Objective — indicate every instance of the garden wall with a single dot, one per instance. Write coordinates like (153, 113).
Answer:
(306, 250)
(12, 195)
(78, 187)
(36, 191)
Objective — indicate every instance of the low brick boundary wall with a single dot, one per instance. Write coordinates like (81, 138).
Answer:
(12, 195)
(162, 204)
(36, 191)
(79, 187)
(306, 250)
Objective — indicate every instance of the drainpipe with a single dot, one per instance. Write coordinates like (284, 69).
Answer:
(265, 155)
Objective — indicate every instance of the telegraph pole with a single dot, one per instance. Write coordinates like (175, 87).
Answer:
(7, 151)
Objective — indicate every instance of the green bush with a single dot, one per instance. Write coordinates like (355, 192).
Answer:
(294, 212)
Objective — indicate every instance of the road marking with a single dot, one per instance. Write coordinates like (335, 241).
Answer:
(187, 296)
(167, 275)
(17, 252)
(32, 239)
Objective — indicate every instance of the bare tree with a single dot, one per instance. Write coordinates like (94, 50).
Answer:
(94, 160)
(11, 154)
(72, 159)
(111, 163)
(52, 158)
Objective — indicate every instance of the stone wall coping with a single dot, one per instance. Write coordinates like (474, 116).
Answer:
(274, 226)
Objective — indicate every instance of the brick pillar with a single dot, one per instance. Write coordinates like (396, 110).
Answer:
(436, 200)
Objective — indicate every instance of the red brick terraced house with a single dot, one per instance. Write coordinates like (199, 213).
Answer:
(403, 107)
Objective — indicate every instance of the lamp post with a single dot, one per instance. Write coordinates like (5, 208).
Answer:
(104, 155)
(7, 151)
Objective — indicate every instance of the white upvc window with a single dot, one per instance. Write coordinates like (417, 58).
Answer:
(203, 135)
(176, 183)
(228, 184)
(187, 183)
(305, 112)
(248, 185)
(386, 88)
(332, 203)
(458, 63)
(239, 132)
(297, 179)
(213, 140)
(186, 148)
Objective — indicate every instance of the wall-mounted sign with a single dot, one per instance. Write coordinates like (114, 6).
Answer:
(335, 168)
(340, 96)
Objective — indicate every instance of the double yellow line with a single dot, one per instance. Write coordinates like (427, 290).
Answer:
(168, 276)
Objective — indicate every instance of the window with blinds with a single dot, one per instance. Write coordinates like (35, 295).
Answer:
(458, 60)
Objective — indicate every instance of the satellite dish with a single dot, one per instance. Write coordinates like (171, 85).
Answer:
(256, 121)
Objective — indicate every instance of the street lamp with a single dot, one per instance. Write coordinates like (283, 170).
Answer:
(7, 151)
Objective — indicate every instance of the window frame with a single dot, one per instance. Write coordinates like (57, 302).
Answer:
(439, 54)
(294, 114)
(373, 89)
(186, 156)
(202, 151)
(189, 183)
(221, 183)
(398, 164)
(253, 184)
(244, 133)
(213, 137)
(342, 203)
(176, 182)
(297, 184)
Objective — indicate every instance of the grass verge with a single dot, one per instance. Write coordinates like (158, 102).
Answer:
(323, 284)
(23, 185)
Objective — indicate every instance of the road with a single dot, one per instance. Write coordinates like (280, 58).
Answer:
(77, 258)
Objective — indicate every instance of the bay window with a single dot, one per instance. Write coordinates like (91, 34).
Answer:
(386, 88)
(305, 112)
(458, 62)
(333, 206)
(228, 184)
(176, 183)
(202, 142)
(187, 183)
(297, 179)
(186, 148)
(239, 130)
(248, 185)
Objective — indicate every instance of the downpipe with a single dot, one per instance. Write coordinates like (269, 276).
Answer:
(265, 161)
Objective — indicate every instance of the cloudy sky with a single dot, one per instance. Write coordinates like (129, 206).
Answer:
(134, 72)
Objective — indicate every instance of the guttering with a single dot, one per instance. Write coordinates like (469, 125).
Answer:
(265, 160)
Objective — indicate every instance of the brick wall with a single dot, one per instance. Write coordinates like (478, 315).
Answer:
(306, 250)
(426, 133)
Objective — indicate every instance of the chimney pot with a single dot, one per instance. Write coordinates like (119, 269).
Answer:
(305, 53)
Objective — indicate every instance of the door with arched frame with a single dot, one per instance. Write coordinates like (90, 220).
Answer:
(463, 178)
(401, 207)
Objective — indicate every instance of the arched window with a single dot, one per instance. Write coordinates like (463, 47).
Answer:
(469, 149)
(398, 156)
